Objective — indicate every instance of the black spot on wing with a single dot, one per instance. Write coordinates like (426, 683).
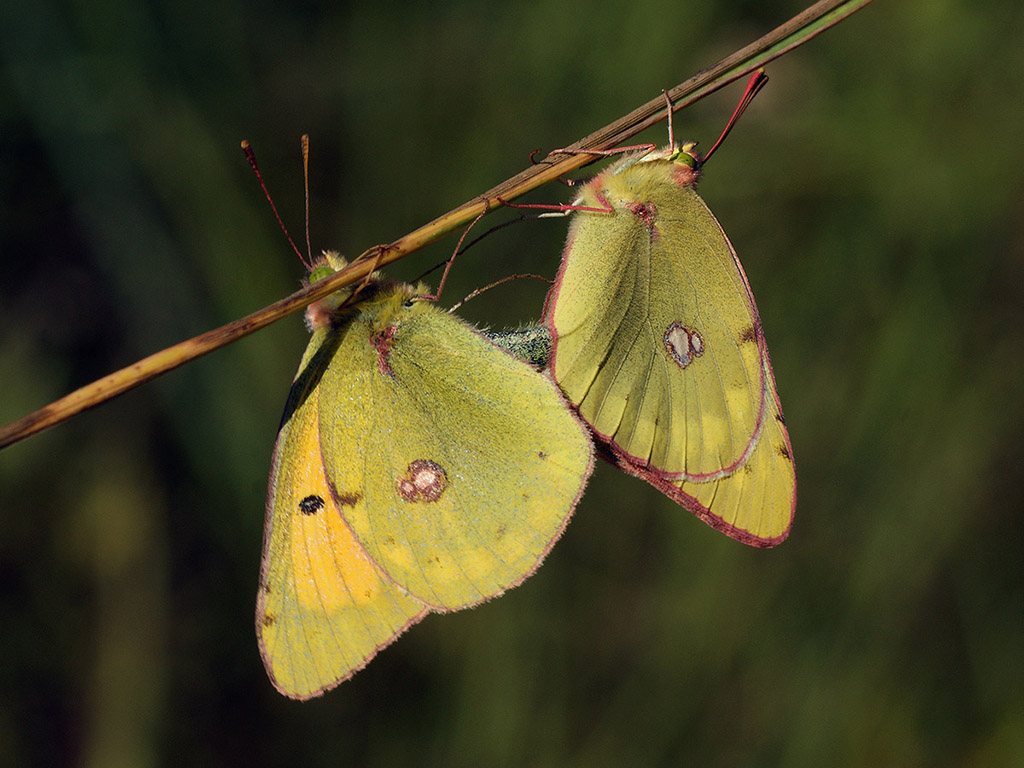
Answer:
(311, 505)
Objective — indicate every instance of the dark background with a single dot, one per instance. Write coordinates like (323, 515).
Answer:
(875, 192)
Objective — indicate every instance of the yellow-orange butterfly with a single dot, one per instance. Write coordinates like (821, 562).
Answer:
(658, 343)
(418, 468)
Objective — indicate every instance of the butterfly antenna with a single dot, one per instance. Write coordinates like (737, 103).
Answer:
(251, 157)
(754, 85)
(305, 182)
(671, 134)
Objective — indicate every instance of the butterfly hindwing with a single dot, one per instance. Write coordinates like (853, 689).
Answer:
(754, 504)
(475, 459)
(658, 343)
(655, 328)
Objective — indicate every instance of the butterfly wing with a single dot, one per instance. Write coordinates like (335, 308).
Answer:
(756, 503)
(657, 339)
(324, 609)
(468, 461)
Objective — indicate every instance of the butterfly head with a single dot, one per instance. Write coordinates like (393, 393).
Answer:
(685, 157)
(321, 313)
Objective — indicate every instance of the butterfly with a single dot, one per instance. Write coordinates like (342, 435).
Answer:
(418, 468)
(658, 343)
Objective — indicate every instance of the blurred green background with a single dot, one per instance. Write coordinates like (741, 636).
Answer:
(875, 192)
